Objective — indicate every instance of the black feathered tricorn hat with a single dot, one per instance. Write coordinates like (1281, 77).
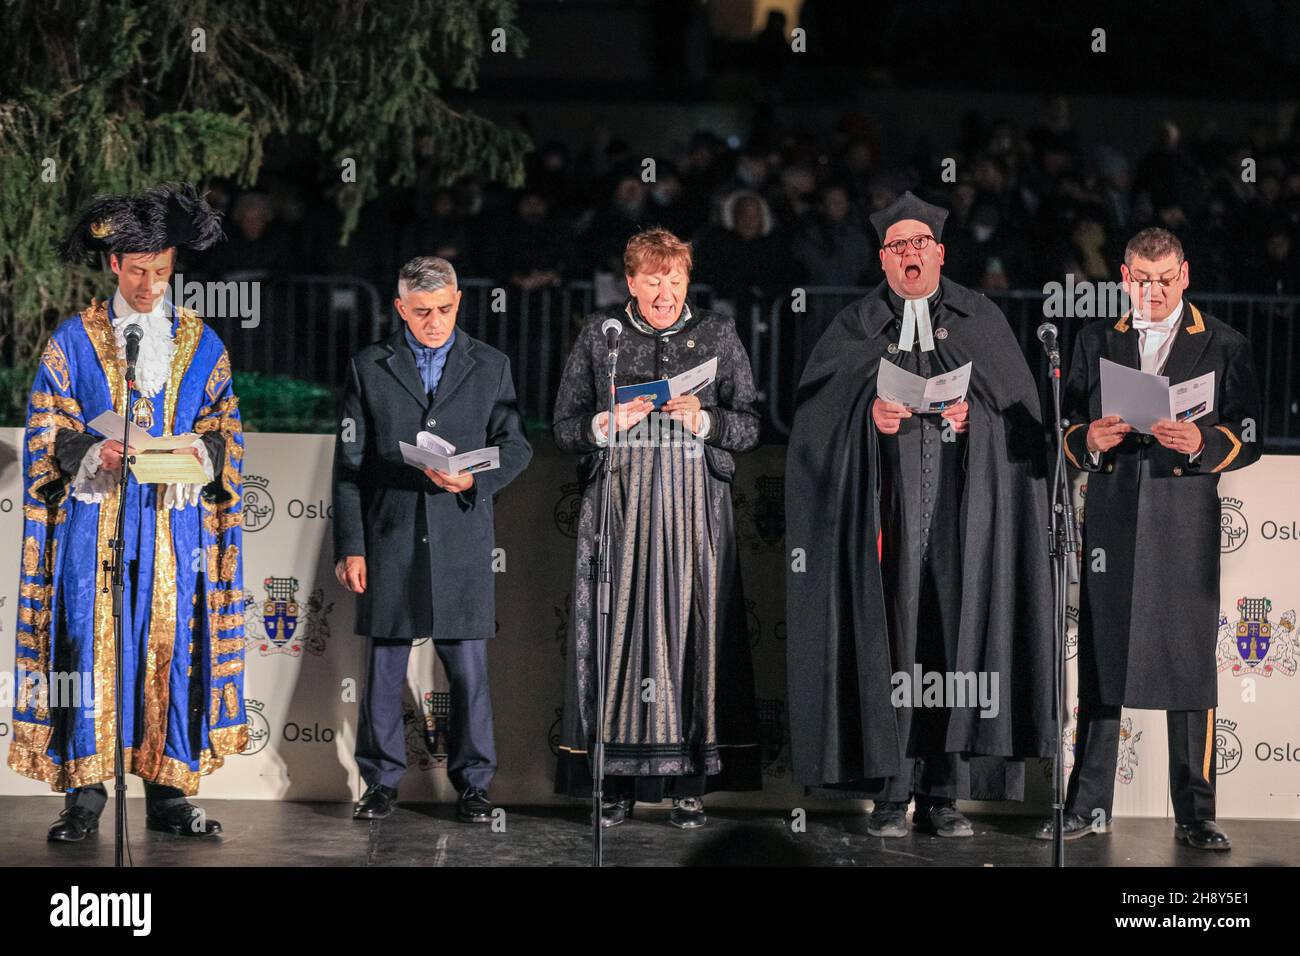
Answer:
(166, 215)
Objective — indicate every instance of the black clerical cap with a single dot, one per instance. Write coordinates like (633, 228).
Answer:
(166, 215)
(907, 206)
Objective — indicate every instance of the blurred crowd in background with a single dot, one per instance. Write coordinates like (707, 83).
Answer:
(1029, 204)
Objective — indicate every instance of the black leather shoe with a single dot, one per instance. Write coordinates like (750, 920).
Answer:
(1073, 827)
(942, 820)
(888, 819)
(474, 806)
(688, 813)
(376, 803)
(73, 825)
(614, 812)
(182, 819)
(1203, 835)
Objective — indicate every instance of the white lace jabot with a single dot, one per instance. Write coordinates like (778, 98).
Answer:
(156, 348)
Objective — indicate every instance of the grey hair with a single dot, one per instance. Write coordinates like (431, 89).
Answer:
(425, 274)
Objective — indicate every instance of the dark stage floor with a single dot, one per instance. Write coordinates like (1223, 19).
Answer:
(259, 833)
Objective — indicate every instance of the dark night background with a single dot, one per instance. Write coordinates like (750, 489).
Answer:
(771, 160)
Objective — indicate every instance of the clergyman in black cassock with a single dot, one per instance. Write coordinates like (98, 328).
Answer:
(1149, 596)
(924, 548)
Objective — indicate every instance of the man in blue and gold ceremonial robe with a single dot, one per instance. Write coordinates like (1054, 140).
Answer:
(182, 680)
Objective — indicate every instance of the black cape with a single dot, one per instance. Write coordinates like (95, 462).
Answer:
(844, 732)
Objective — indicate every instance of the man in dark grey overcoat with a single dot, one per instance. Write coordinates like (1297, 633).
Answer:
(417, 548)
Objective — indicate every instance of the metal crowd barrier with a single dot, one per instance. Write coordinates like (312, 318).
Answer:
(310, 325)
(306, 326)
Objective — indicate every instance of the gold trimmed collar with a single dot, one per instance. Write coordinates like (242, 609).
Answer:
(1191, 324)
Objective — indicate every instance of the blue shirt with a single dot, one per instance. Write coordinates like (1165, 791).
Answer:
(429, 361)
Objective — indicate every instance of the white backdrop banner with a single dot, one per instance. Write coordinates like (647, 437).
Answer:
(1257, 722)
(303, 683)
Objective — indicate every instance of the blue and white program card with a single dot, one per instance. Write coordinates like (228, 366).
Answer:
(922, 395)
(430, 451)
(1142, 398)
(659, 391)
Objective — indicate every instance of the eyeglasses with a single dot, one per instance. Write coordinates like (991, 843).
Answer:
(899, 246)
(1163, 281)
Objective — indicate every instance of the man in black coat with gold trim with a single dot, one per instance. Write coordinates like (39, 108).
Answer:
(1150, 589)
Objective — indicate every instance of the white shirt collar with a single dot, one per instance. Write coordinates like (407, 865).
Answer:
(1166, 323)
(123, 313)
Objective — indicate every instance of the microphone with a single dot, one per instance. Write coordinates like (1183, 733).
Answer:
(1047, 335)
(133, 333)
(612, 328)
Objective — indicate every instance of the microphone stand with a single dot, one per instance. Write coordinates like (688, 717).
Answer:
(1063, 548)
(117, 573)
(604, 611)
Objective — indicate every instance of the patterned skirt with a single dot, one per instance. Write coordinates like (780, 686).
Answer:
(679, 696)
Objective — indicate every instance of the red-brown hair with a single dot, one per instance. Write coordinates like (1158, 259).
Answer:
(656, 250)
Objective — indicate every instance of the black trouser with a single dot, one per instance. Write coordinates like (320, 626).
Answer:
(931, 780)
(381, 732)
(934, 778)
(94, 797)
(1191, 762)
